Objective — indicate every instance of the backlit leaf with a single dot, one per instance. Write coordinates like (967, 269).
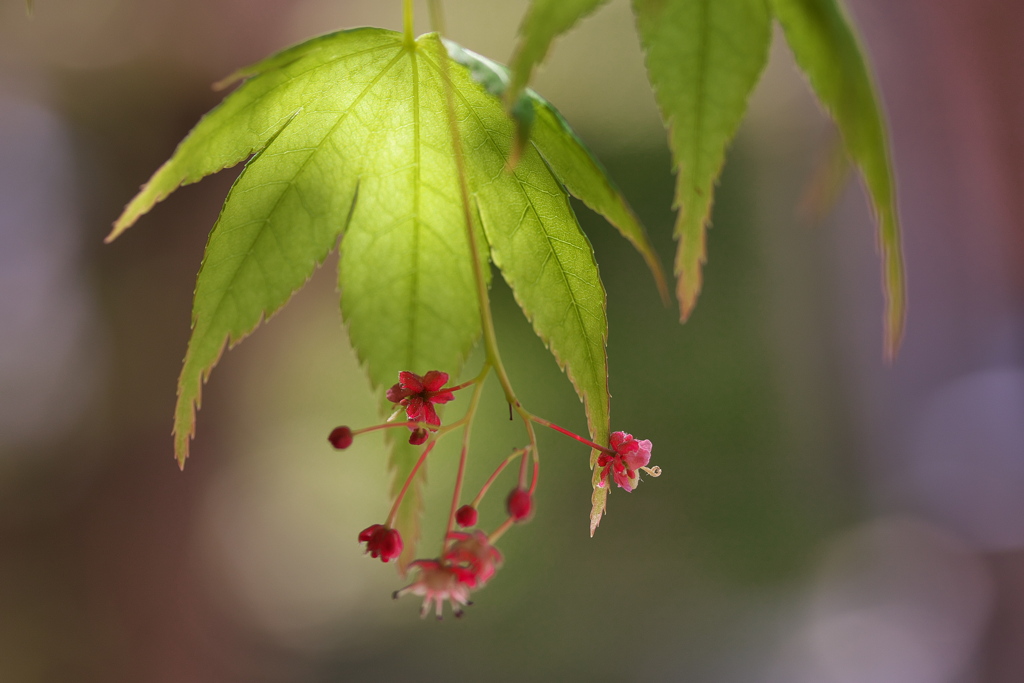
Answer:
(350, 139)
(703, 59)
(572, 163)
(826, 49)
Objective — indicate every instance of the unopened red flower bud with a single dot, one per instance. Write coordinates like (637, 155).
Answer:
(466, 516)
(418, 436)
(519, 504)
(341, 438)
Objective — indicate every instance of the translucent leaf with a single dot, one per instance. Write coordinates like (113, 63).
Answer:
(572, 162)
(352, 139)
(826, 49)
(703, 59)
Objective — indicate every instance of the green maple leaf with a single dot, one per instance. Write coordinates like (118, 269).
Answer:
(349, 138)
(826, 49)
(703, 59)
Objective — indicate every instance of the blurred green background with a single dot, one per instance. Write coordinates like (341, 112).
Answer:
(821, 518)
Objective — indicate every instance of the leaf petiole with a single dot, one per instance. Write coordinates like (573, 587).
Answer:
(408, 33)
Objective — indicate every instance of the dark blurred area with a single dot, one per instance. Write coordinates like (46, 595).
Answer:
(822, 518)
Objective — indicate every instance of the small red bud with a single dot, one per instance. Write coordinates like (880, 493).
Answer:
(519, 504)
(418, 436)
(466, 516)
(341, 438)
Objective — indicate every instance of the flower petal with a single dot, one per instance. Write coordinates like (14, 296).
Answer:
(434, 380)
(442, 397)
(397, 392)
(640, 456)
(411, 381)
(625, 482)
(430, 415)
(414, 408)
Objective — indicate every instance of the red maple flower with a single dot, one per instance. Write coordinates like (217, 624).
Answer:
(472, 557)
(382, 541)
(419, 394)
(468, 563)
(630, 455)
(437, 582)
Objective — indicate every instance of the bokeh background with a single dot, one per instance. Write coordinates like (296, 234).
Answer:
(822, 518)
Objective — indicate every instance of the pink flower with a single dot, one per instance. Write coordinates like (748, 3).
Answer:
(472, 557)
(468, 563)
(437, 582)
(382, 541)
(419, 394)
(629, 457)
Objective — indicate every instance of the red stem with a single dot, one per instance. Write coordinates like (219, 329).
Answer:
(522, 470)
(461, 386)
(490, 480)
(500, 531)
(388, 425)
(536, 468)
(542, 421)
(389, 522)
(457, 494)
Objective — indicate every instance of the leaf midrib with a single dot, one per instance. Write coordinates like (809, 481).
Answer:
(417, 169)
(561, 268)
(701, 88)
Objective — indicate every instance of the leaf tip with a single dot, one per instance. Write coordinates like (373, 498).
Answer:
(895, 324)
(893, 282)
(691, 255)
(597, 511)
(659, 280)
(181, 443)
(188, 403)
(687, 292)
(598, 501)
(120, 226)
